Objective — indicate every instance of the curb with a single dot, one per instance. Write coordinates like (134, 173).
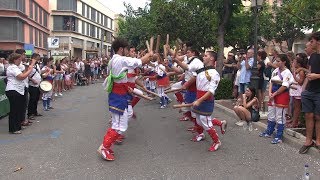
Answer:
(289, 136)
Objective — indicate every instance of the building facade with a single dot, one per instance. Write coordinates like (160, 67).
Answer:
(24, 24)
(84, 28)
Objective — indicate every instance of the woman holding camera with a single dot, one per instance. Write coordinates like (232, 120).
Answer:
(15, 90)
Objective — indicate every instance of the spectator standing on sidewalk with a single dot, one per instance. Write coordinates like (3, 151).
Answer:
(15, 90)
(23, 67)
(299, 76)
(57, 78)
(245, 66)
(262, 85)
(230, 64)
(2, 72)
(34, 91)
(311, 96)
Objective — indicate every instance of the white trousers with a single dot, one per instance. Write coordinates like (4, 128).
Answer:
(130, 112)
(277, 114)
(120, 122)
(204, 121)
(152, 84)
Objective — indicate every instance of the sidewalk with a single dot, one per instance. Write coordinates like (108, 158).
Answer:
(291, 137)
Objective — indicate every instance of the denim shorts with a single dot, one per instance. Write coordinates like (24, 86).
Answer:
(58, 77)
(310, 102)
(243, 87)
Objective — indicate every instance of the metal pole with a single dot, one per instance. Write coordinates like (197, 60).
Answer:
(255, 35)
(101, 45)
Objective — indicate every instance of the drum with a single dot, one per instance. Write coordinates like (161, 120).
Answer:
(45, 86)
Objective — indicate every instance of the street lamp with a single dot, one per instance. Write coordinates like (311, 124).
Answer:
(256, 6)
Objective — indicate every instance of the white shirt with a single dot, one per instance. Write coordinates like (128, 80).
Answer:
(1, 68)
(203, 84)
(120, 64)
(35, 74)
(160, 70)
(79, 65)
(13, 83)
(266, 61)
(286, 75)
(192, 67)
(26, 80)
(132, 79)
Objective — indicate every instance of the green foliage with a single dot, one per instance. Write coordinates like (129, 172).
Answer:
(224, 90)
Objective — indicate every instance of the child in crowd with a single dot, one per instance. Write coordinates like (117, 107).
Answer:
(299, 77)
(47, 75)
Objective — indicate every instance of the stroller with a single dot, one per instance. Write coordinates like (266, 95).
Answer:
(81, 79)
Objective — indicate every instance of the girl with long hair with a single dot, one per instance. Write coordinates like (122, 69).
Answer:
(279, 98)
(247, 110)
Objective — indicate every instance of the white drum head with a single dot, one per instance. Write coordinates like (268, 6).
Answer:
(45, 86)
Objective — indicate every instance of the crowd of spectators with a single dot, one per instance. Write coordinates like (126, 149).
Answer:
(24, 75)
(304, 97)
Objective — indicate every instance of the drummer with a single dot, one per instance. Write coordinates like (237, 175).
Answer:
(34, 91)
(47, 75)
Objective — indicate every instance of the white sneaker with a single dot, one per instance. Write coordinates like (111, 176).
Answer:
(60, 94)
(198, 138)
(239, 123)
(55, 94)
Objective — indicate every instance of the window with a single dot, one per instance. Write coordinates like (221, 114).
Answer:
(58, 23)
(93, 14)
(36, 35)
(45, 40)
(8, 4)
(45, 19)
(40, 16)
(31, 9)
(40, 39)
(83, 9)
(31, 34)
(83, 27)
(69, 23)
(70, 5)
(21, 5)
(88, 29)
(108, 34)
(20, 31)
(98, 17)
(88, 12)
(36, 12)
(105, 23)
(92, 30)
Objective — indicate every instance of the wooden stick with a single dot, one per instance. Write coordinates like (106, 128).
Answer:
(150, 92)
(148, 46)
(158, 43)
(143, 96)
(172, 90)
(165, 51)
(167, 40)
(151, 43)
(182, 105)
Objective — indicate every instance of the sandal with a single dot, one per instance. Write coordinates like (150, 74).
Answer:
(288, 116)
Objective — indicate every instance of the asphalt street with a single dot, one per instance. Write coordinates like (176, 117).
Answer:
(63, 145)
